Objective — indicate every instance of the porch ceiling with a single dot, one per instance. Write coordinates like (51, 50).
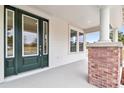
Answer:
(83, 16)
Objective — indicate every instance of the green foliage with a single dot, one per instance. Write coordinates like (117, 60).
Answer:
(111, 36)
(120, 36)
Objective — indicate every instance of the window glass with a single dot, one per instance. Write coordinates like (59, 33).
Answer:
(73, 41)
(9, 33)
(80, 41)
(29, 35)
(45, 38)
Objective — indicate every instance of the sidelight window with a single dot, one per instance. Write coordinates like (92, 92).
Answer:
(45, 38)
(10, 33)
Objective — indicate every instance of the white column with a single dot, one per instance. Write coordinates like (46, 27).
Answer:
(104, 23)
(115, 35)
(84, 45)
(1, 43)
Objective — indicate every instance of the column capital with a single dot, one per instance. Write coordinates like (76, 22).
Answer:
(104, 6)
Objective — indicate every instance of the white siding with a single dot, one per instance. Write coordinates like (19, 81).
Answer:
(1, 43)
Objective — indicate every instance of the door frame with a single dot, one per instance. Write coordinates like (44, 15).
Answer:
(16, 11)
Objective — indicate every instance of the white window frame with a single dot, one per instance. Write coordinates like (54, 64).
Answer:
(44, 22)
(23, 36)
(69, 34)
(13, 33)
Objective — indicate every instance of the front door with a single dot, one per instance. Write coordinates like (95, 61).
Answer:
(26, 41)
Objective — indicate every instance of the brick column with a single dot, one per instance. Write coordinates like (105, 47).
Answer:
(104, 64)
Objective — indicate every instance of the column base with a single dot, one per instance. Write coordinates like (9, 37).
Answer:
(104, 41)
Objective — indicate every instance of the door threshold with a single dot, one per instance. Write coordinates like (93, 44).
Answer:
(24, 74)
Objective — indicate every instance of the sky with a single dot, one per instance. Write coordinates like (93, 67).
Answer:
(94, 37)
(121, 29)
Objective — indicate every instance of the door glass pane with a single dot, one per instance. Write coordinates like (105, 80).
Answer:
(9, 33)
(73, 41)
(80, 41)
(29, 36)
(45, 38)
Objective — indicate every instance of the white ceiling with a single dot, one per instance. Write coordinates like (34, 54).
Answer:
(78, 15)
(83, 16)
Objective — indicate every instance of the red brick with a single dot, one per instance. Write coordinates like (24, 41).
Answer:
(103, 66)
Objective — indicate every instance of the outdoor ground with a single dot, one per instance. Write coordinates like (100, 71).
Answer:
(73, 75)
(68, 76)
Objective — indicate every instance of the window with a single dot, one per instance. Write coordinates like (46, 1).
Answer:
(80, 41)
(73, 41)
(9, 33)
(76, 40)
(45, 38)
(30, 36)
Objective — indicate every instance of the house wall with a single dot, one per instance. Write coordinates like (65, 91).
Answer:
(1, 43)
(59, 44)
(58, 39)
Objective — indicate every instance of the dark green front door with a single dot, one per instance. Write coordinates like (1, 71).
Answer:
(26, 41)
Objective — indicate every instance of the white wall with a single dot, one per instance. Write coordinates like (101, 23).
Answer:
(59, 44)
(58, 40)
(1, 43)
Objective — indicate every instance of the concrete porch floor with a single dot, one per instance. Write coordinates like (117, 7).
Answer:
(73, 75)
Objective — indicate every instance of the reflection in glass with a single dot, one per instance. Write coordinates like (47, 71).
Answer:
(73, 41)
(45, 38)
(9, 33)
(80, 41)
(30, 35)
